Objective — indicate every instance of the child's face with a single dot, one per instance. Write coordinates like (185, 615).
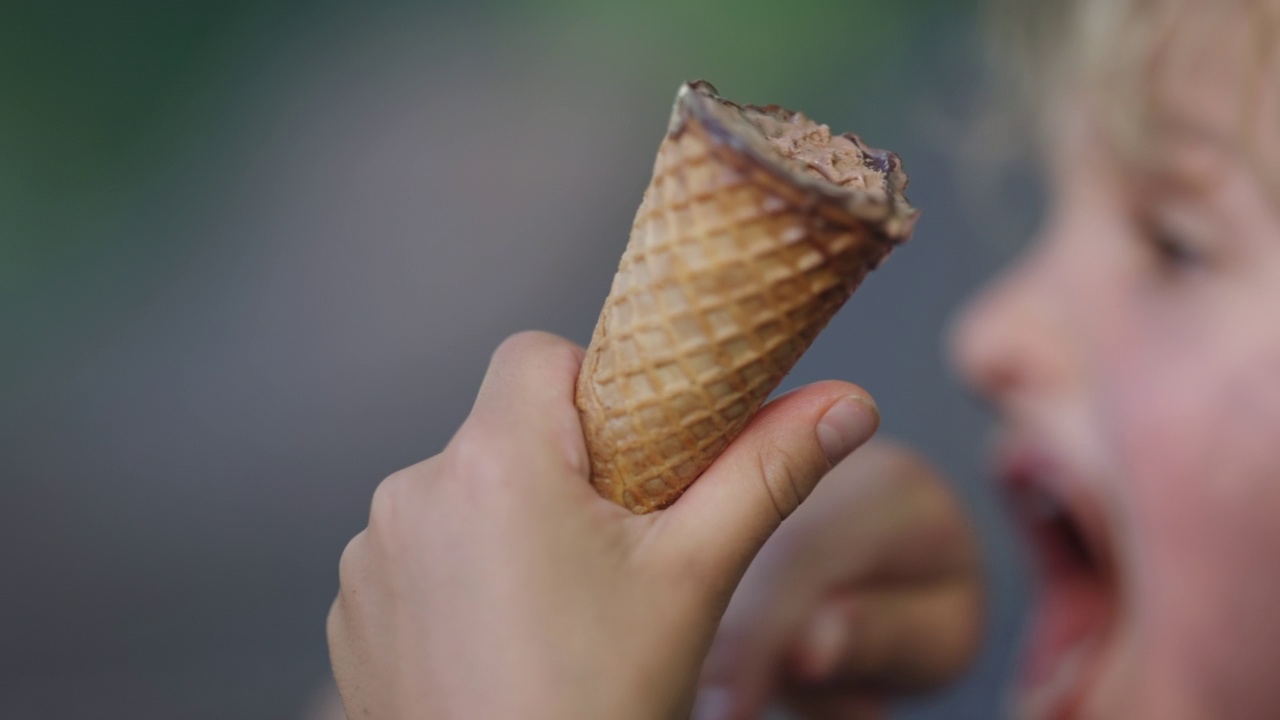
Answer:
(1134, 356)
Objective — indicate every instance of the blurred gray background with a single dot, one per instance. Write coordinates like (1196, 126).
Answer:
(254, 257)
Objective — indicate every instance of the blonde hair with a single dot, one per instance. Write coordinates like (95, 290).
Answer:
(1113, 50)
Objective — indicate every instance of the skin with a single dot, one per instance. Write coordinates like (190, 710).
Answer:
(493, 582)
(478, 561)
(871, 588)
(1137, 343)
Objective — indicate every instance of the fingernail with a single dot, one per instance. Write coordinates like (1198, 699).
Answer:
(847, 425)
(713, 703)
(823, 641)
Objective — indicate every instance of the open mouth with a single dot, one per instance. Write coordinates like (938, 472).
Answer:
(1077, 588)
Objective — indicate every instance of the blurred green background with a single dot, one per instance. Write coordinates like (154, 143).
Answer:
(253, 256)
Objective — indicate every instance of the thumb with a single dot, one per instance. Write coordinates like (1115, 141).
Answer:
(764, 475)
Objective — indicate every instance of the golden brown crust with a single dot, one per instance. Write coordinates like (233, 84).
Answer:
(738, 257)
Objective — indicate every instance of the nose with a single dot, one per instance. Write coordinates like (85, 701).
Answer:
(1008, 339)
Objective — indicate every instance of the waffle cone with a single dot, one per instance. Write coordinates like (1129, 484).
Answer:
(743, 249)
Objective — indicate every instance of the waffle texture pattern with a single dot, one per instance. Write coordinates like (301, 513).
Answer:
(737, 260)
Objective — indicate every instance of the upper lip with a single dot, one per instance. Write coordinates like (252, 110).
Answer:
(1043, 487)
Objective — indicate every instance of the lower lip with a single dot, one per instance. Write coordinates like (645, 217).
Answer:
(1074, 602)
(1072, 611)
(1061, 652)
(1071, 615)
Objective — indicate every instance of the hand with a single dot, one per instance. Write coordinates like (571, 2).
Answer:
(492, 582)
(872, 587)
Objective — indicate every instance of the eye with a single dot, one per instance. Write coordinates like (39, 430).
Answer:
(1175, 242)
(1173, 250)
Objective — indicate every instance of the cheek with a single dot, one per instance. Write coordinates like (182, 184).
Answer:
(1196, 427)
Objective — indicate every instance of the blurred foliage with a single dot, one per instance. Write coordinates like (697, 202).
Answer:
(96, 95)
(82, 82)
(766, 40)
(100, 96)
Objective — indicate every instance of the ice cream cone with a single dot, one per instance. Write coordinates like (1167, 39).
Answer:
(755, 229)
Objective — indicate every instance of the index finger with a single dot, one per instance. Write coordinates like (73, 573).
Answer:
(524, 412)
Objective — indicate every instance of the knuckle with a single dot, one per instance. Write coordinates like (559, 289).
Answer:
(968, 635)
(909, 470)
(534, 343)
(475, 457)
(954, 640)
(350, 560)
(943, 639)
(520, 345)
(485, 474)
(389, 499)
(333, 624)
(781, 472)
(514, 346)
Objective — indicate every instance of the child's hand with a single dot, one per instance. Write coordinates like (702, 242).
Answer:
(872, 587)
(492, 582)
